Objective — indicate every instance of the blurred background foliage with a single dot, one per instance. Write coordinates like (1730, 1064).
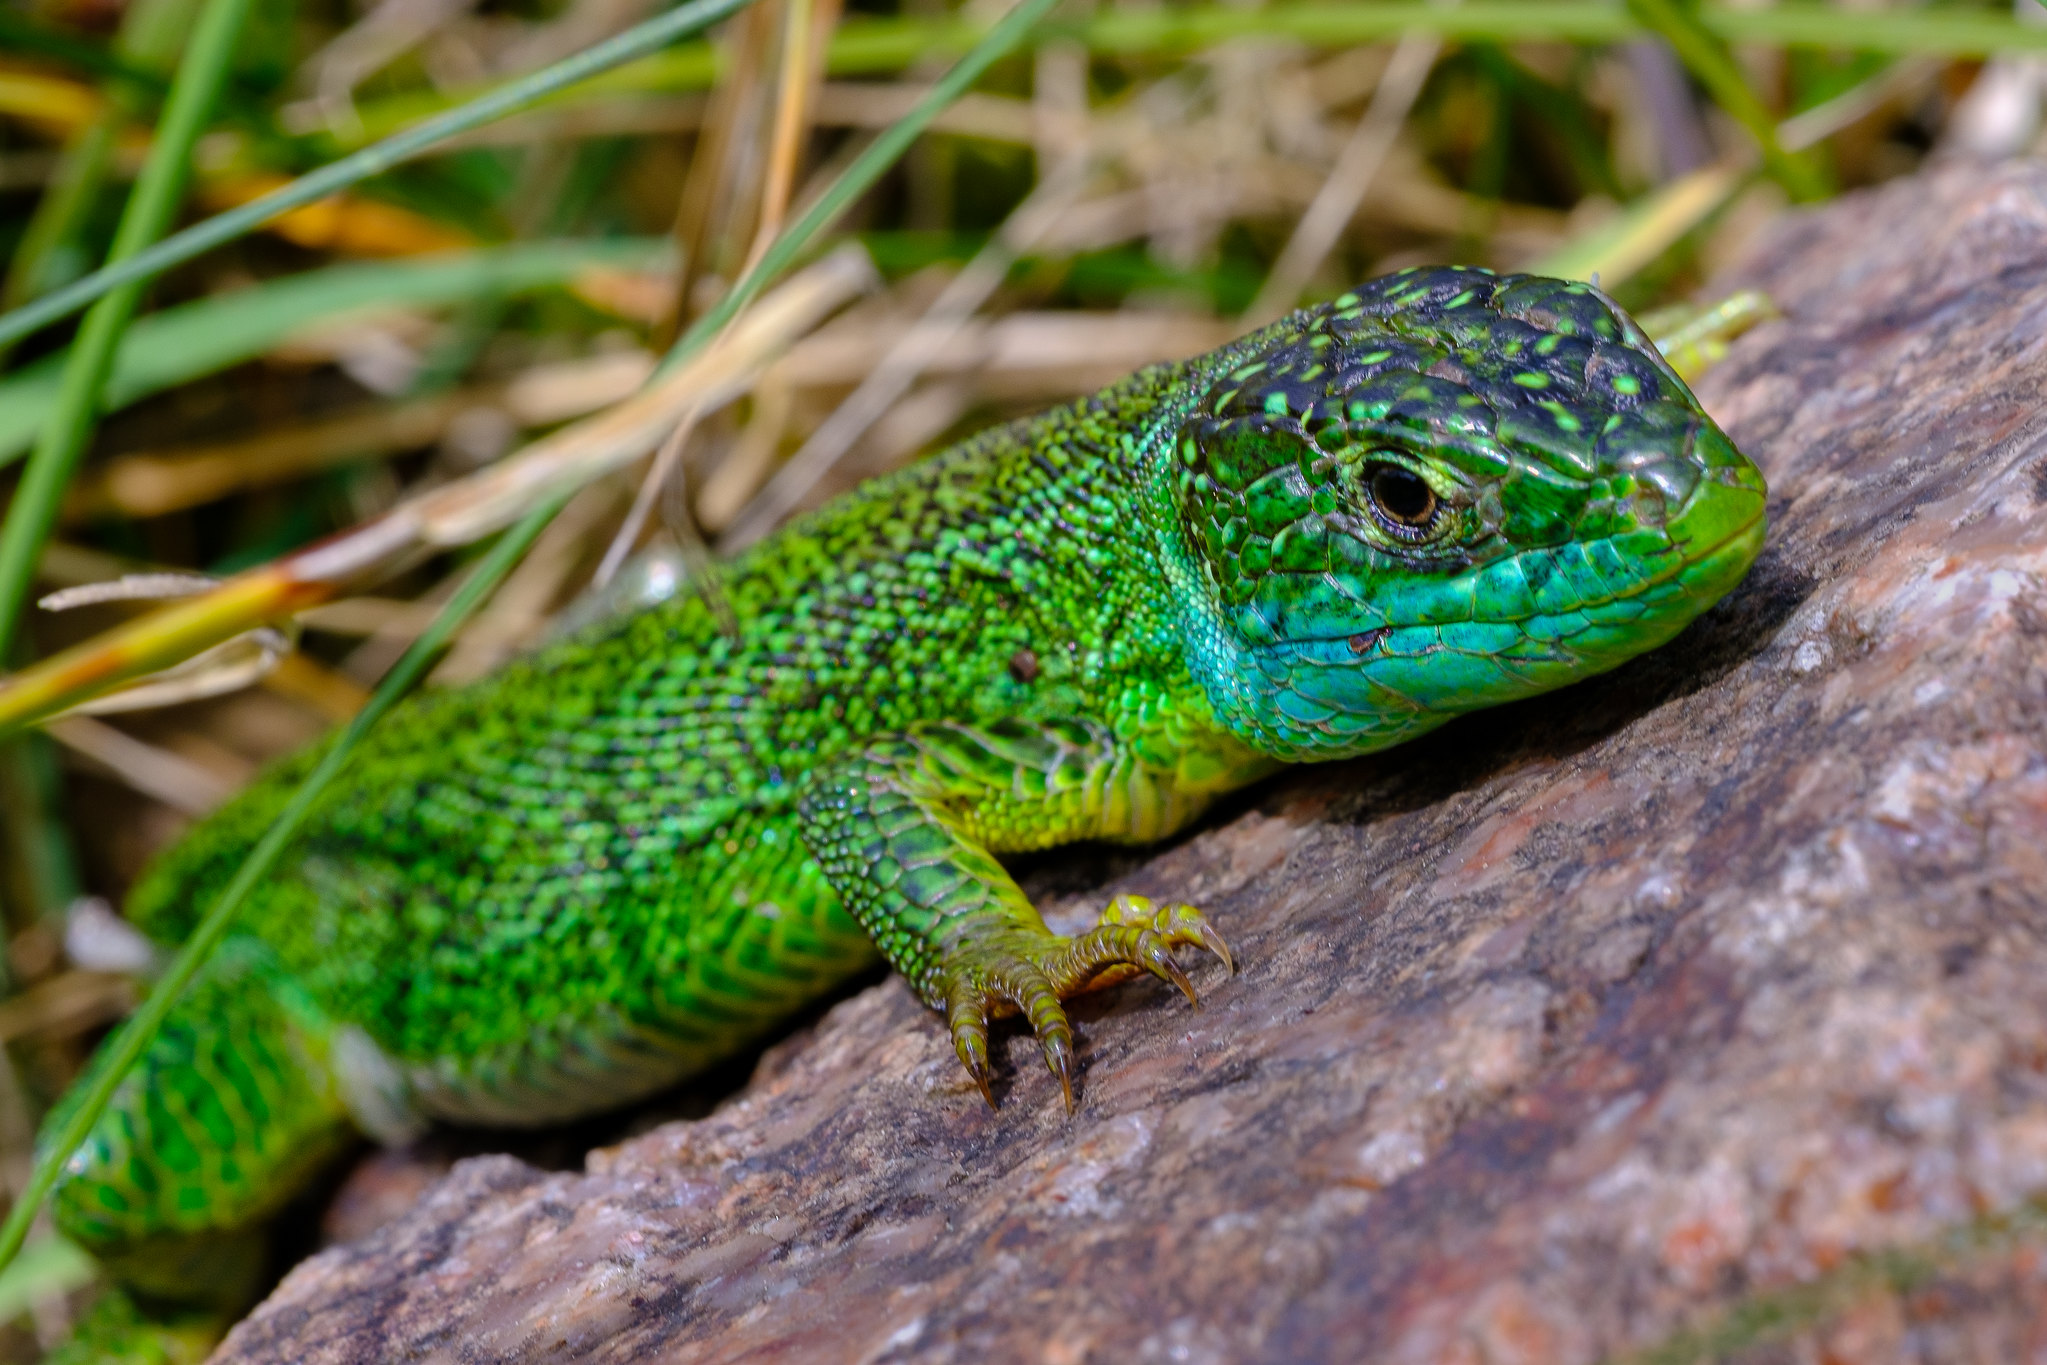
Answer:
(1140, 181)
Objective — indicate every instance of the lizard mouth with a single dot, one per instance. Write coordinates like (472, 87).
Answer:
(1438, 669)
(1707, 574)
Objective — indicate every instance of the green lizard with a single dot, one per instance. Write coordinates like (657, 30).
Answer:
(634, 851)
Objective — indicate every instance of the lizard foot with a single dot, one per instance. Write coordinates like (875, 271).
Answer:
(1031, 972)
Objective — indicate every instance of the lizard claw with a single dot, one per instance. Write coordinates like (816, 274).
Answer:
(1014, 984)
(1156, 957)
(1040, 1004)
(1059, 1057)
(1181, 923)
(1031, 974)
(966, 1014)
(1136, 931)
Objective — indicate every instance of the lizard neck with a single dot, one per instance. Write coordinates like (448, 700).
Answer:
(1233, 676)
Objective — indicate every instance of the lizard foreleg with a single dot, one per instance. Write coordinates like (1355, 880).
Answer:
(906, 830)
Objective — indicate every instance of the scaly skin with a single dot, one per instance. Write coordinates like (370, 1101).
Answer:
(635, 851)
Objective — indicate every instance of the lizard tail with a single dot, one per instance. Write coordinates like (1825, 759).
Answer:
(234, 1106)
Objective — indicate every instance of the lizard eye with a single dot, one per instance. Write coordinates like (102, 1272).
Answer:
(1402, 501)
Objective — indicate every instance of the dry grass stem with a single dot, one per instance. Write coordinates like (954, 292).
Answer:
(66, 1005)
(368, 616)
(320, 689)
(665, 466)
(455, 514)
(1349, 179)
(155, 483)
(1019, 355)
(519, 609)
(720, 194)
(793, 100)
(907, 358)
(735, 478)
(171, 778)
(802, 40)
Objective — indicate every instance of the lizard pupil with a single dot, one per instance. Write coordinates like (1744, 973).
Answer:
(1403, 500)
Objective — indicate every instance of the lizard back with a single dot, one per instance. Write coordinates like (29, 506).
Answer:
(581, 878)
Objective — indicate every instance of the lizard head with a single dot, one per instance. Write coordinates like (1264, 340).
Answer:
(1445, 490)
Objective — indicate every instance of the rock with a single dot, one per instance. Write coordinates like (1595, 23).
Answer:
(1703, 1002)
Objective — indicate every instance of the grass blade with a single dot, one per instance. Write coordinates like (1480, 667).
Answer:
(1646, 229)
(141, 1029)
(1705, 58)
(859, 177)
(201, 237)
(166, 637)
(149, 211)
(446, 515)
(874, 47)
(183, 343)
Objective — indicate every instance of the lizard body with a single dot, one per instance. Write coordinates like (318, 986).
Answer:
(638, 849)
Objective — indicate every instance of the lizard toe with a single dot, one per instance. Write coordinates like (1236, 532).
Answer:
(966, 1014)
(1032, 973)
(1040, 1004)
(1179, 924)
(1017, 984)
(1108, 952)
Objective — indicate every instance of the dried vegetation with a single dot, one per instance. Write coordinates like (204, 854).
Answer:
(343, 406)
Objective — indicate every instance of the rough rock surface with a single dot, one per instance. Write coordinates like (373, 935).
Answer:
(1704, 1002)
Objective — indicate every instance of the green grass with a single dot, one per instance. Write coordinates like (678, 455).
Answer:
(69, 424)
(192, 340)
